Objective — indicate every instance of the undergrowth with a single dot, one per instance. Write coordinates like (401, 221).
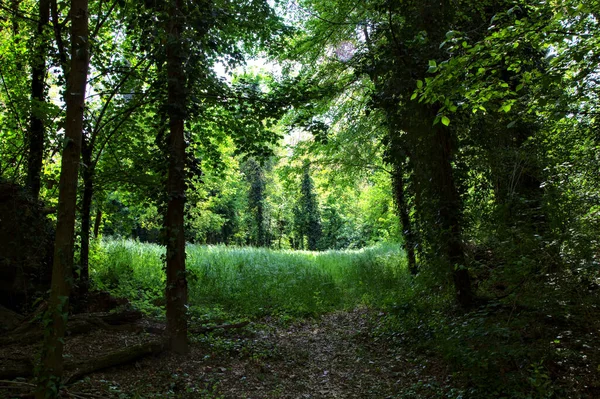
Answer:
(227, 282)
(540, 341)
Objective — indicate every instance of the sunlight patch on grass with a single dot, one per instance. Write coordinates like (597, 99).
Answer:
(252, 282)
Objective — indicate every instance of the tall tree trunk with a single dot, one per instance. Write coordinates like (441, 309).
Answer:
(62, 272)
(450, 217)
(436, 196)
(402, 208)
(38, 83)
(86, 210)
(176, 291)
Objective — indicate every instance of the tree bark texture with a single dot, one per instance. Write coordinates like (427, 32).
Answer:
(86, 210)
(449, 205)
(51, 367)
(450, 216)
(176, 290)
(38, 83)
(432, 155)
(405, 223)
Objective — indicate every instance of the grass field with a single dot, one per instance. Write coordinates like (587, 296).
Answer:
(252, 282)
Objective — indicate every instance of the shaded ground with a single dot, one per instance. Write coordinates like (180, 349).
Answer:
(346, 355)
(330, 357)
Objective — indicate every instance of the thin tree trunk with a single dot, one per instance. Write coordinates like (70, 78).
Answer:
(402, 208)
(86, 210)
(51, 368)
(97, 222)
(176, 291)
(38, 83)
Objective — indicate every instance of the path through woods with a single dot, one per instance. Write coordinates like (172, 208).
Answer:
(334, 356)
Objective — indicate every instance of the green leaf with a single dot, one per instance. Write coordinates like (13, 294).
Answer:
(419, 84)
(445, 120)
(413, 96)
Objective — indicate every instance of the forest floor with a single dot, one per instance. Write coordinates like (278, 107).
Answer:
(332, 356)
(341, 354)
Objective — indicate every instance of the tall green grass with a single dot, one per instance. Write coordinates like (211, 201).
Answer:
(252, 282)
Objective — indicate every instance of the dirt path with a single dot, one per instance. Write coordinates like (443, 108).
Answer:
(318, 359)
(330, 357)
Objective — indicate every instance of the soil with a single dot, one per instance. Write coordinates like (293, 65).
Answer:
(328, 357)
(337, 355)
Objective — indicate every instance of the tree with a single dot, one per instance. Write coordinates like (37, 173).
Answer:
(307, 218)
(51, 368)
(392, 44)
(38, 91)
(258, 229)
(175, 235)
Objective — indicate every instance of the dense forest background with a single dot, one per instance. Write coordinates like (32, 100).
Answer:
(451, 148)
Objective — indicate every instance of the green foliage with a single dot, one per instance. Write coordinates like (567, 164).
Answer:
(252, 282)
(307, 217)
(529, 345)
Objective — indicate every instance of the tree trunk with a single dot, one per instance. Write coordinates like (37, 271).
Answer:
(402, 208)
(450, 218)
(97, 222)
(86, 210)
(62, 273)
(176, 291)
(436, 196)
(38, 83)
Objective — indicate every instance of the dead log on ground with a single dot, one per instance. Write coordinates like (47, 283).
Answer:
(76, 369)
(79, 324)
(83, 367)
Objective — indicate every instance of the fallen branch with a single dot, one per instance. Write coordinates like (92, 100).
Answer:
(83, 367)
(16, 383)
(21, 368)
